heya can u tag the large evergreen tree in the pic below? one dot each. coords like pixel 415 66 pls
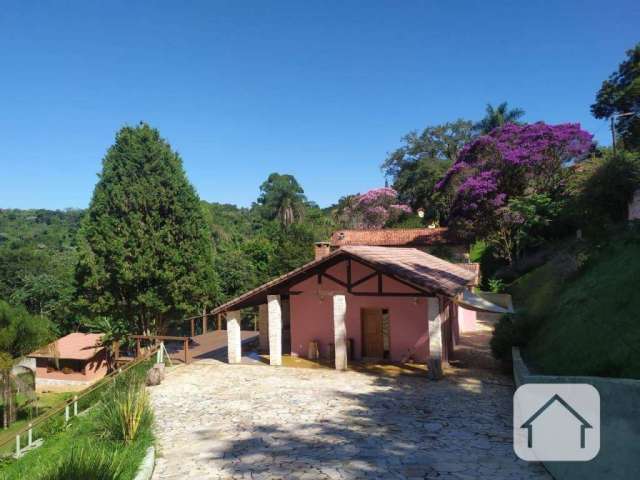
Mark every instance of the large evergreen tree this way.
pixel 145 251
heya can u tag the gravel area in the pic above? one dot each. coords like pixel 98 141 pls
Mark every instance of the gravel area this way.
pixel 219 421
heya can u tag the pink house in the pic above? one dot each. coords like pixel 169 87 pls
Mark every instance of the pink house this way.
pixel 357 302
pixel 75 359
pixel 436 241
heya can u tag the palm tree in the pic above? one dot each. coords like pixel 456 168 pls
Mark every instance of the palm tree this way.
pixel 282 198
pixel 14 380
pixel 496 117
pixel 112 331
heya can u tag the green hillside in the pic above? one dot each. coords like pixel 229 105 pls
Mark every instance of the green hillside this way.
pixel 585 315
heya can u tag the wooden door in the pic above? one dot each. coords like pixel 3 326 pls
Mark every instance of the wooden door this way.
pixel 372 337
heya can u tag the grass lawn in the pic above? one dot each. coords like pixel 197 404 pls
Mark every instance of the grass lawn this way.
pixel 45 402
pixel 101 442
pixel 590 324
pixel 82 433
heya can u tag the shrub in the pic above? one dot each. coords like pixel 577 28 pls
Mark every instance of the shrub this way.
pixel 21 332
pixel 502 339
pixel 602 189
pixel 496 285
pixel 83 463
pixel 126 412
pixel 513 330
pixel 50 427
pixel 481 252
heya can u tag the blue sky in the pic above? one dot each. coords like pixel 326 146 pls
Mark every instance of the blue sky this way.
pixel 319 89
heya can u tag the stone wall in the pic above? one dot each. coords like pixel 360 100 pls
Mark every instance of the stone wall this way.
pixel 619 455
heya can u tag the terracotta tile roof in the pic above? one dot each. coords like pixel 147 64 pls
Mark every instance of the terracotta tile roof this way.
pixel 473 268
pixel 393 237
pixel 426 272
pixel 75 346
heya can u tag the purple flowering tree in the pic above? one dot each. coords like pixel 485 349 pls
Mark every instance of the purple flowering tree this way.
pixel 510 162
pixel 375 208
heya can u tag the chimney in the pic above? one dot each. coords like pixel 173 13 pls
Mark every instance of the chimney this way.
pixel 322 249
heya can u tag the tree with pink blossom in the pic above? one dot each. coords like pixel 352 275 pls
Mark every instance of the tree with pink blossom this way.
pixel 511 162
pixel 373 209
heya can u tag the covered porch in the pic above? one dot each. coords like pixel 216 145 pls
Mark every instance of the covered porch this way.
pixel 357 304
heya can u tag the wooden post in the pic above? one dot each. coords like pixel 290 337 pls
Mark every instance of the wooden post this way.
pixel 30 435
pixel 18 446
pixel 75 405
pixel 219 322
pixel 138 350
pixel 193 327
pixel 116 350
pixel 204 320
pixel 186 350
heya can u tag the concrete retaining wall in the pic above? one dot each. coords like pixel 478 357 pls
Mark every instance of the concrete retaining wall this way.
pixel 619 456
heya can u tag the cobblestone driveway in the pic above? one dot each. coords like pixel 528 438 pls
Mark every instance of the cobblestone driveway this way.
pixel 251 421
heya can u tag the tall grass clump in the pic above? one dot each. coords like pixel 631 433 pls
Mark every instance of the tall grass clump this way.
pixel 126 412
pixel 83 464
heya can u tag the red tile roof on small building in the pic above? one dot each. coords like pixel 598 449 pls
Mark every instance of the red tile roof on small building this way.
pixel 393 237
pixel 75 346
pixel 427 273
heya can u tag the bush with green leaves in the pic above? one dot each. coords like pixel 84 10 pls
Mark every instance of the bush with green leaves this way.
pixel 496 285
pixel 521 224
pixel 85 463
pixel 126 412
pixel 601 190
pixel 21 332
pixel 512 330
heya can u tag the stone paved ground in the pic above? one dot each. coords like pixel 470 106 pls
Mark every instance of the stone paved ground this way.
pixel 253 421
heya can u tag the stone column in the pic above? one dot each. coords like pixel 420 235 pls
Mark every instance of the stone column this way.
pixel 263 327
pixel 340 331
pixel 234 338
pixel 275 329
pixel 434 362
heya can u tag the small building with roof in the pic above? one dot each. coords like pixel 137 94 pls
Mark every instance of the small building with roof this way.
pixel 357 302
pixel 75 359
pixel 438 241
